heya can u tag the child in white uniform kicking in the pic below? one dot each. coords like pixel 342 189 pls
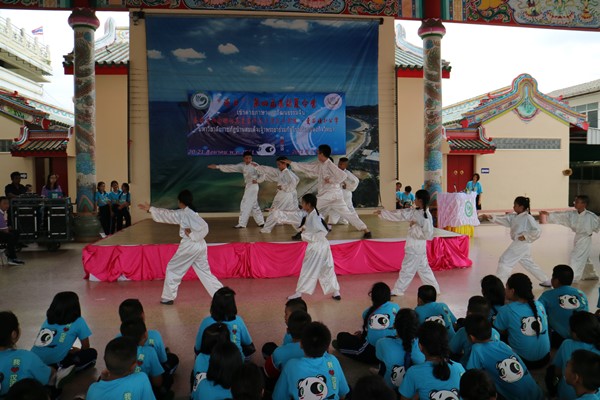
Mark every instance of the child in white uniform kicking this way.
pixel 348 186
pixel 318 260
pixel 192 248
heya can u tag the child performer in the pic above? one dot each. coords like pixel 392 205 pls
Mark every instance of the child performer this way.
pixel 286 198
pixel 329 191
pixel 192 248
pixel 348 186
pixel 523 231
pixel 252 177
pixel 318 260
pixel 420 231
pixel 584 223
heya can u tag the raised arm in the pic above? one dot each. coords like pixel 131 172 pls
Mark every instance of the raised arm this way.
pixel 400 215
pixel 269 173
pixel 166 216
pixel 503 220
pixel 229 168
pixel 560 218
pixel 309 169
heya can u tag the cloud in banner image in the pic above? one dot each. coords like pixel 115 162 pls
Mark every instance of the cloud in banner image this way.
pixel 209 69
pixel 292 24
pixel 189 55
pixel 253 69
pixel 155 54
pixel 228 49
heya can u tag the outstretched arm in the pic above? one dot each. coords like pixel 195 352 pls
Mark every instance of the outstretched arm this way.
pixel 228 167
pixel 309 169
pixel 400 215
pixel 162 214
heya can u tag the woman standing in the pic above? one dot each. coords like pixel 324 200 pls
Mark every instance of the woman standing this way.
pixel 474 186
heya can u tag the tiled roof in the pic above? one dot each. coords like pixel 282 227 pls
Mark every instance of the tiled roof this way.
pixel 470 146
pixel 112 49
pixel 454 113
pixel 38 143
pixel 409 56
pixel 577 90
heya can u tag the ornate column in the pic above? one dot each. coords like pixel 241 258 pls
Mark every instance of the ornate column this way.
pixel 84 24
pixel 431 31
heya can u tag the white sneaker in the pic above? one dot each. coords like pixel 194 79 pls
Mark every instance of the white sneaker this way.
pixel 62 374
pixel 238 226
pixel 295 296
pixel 265 231
pixel 102 235
pixel 15 261
pixel 397 293
pixel 546 283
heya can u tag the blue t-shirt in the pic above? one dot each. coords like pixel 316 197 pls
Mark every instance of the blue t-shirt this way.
pixel 124 198
pixel 461 344
pixel 131 387
pixel 589 396
pixel 494 310
pixel 474 187
pixel 517 318
pixel 54 341
pixel 560 304
pixel 155 340
pixel 287 338
pixel 511 377
pixel 101 199
pixel 562 357
pixel 285 353
pixel 208 390
pixel 438 312
pixel 312 378
pixel 407 198
pixel 17 364
pixel 390 352
pixel 419 380
pixel 200 369
pixel 381 322
pixel 114 196
pixel 147 362
pixel 239 333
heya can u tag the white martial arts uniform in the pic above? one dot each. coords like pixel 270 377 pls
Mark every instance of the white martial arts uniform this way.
pixel 318 260
pixel 415 250
pixel 519 251
pixel 249 204
pixel 348 186
pixel 330 198
pixel 191 251
pixel 584 225
pixel 286 198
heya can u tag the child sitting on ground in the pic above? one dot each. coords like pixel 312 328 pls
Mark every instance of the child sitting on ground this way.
pixel 430 310
pixel 290 306
pixel 583 374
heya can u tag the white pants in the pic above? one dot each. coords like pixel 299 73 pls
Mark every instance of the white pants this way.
pixel 334 204
pixel 188 254
pixel 518 252
pixel 317 266
pixel 580 257
pixel 334 218
pixel 415 262
pixel 283 201
pixel 249 205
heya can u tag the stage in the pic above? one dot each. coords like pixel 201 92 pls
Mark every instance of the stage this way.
pixel 142 251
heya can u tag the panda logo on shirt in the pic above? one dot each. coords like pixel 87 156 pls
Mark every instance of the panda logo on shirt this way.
pixel 199 377
pixel 398 372
pixel 379 321
pixel 510 370
pixel 569 302
pixel 436 318
pixel 444 395
pixel 44 338
pixel 313 388
pixel 530 326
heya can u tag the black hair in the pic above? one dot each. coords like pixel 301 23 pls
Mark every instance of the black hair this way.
pixel 343 159
pixel 130 308
pixel 100 184
pixel 563 274
pixel 296 304
pixel 316 338
pixel 49 185
pixel 8 324
pixel 126 185
pixel 586 364
pixel 476 175
pixel 586 326
pixel 186 198
pixel 433 337
pixel 524 202
pixel 27 389
pixel 281 158
pixel 399 183
pixel 325 149
pixel 493 290
pixel 408 189
pixel 246 153
pixel 476 384
pixel 223 307
pixel 64 308
pixel 297 321
pixel 372 387
pixel 113 182
pixel 523 288
pixel 424 196
pixel 2 198
pixel 120 354
pixel 248 383
pixel 212 336
pixel 427 294
pixel 478 305
pixel 478 326
pixel 223 361
pixel 134 328
pixel 14 174
pixel 584 198
pixel 407 326
pixel 310 198
pixel 380 294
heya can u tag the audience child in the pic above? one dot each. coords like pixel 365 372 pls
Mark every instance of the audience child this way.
pixel 318 260
pixel 123 203
pixel 62 327
pixel 119 381
pixel 16 364
pixel 102 202
pixel 476 384
pixel 561 302
pixel 113 196
pixel 224 361
pixel 493 290
pixel 525 321
pixel 377 323
pixel 372 387
pixel 429 310
pixel 512 379
pixel 248 383
pixel 407 199
pixel 585 333
pixel 52 189
pixel 460 344
pixel 290 306
pixel 523 231
pixel 583 374
pixel 223 309
pixel 438 377
pixel 415 256
pixel 398 192
pixel 212 336
pixel 27 389
pixel 397 354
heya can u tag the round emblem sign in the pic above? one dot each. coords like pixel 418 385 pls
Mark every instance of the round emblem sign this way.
pixel 468 209
pixel 200 101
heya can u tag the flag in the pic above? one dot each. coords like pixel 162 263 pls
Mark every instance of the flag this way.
pixel 38 31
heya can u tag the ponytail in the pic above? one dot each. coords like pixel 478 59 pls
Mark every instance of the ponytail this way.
pixel 380 294
pixel 407 326
pixel 523 288
pixel 433 337
pixel 424 196
pixel 524 202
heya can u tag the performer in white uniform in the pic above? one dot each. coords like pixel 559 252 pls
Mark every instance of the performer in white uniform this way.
pixel 524 230
pixel 584 223
pixel 415 250
pixel 348 186
pixel 329 190
pixel 286 198
pixel 252 177
pixel 192 248
pixel 318 260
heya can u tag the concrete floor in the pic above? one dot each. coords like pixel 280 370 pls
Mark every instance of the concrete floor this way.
pixel 28 291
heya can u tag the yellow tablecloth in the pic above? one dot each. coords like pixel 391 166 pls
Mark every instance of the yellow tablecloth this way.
pixel 468 230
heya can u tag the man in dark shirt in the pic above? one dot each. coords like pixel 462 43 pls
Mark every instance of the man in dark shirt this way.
pixel 15 189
